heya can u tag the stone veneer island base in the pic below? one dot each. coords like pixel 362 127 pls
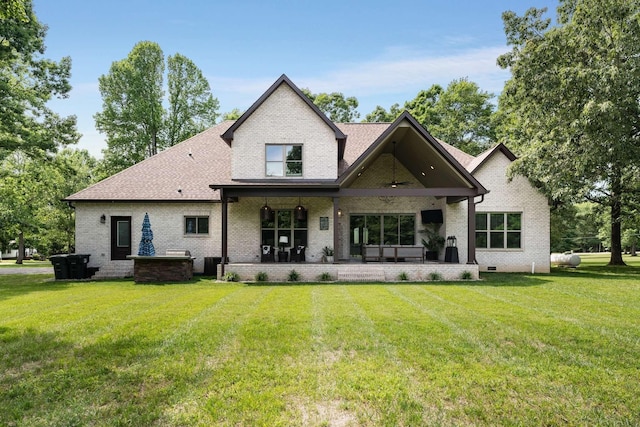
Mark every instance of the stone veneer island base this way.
pixel 150 269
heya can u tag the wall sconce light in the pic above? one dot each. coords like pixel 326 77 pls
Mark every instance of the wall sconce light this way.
pixel 339 212
pixel 103 219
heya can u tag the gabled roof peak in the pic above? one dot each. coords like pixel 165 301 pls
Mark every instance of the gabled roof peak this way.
pixel 283 79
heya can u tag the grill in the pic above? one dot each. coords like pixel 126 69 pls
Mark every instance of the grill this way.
pixel 177 252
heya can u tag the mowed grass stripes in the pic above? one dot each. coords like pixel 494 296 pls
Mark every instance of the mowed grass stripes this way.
pixel 510 350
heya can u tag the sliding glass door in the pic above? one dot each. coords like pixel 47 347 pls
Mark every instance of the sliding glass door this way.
pixel 380 229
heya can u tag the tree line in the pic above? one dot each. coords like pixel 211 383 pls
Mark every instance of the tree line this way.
pixel 569 111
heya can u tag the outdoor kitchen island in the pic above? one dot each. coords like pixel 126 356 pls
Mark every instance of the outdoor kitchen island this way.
pixel 175 266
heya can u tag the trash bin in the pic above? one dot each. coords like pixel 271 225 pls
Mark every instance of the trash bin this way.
pixel 78 266
pixel 60 266
pixel 211 265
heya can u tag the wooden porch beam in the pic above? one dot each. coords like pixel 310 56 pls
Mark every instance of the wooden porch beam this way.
pixel 350 192
pixel 336 234
pixel 225 228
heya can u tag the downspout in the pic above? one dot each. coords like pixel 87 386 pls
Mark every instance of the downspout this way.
pixel 471 229
pixel 73 208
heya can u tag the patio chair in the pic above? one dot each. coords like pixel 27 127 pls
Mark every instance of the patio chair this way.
pixel 297 254
pixel 268 253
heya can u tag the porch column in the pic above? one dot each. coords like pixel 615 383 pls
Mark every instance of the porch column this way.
pixel 336 231
pixel 225 217
pixel 471 230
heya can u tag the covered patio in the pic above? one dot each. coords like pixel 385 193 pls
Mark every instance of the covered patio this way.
pixel 377 199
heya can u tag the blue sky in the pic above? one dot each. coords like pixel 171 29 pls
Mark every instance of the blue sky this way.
pixel 380 52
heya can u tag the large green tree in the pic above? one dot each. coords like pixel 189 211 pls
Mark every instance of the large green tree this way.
pixel 31 193
pixel 335 105
pixel 381 115
pixel 571 109
pixel 192 107
pixel 133 117
pixel 27 82
pixel 460 115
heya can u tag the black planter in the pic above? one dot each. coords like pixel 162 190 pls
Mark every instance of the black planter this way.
pixel 431 255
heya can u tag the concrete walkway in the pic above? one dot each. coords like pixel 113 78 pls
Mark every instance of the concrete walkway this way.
pixel 26 270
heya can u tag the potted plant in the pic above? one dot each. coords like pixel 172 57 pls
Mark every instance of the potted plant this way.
pixel 327 254
pixel 434 242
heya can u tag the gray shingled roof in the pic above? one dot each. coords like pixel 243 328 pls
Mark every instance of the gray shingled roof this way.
pixel 189 166
pixel 205 159
pixel 359 137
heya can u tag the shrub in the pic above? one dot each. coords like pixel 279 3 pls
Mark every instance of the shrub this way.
pixel 435 276
pixel 262 276
pixel 403 276
pixel 293 276
pixel 466 275
pixel 325 277
pixel 230 276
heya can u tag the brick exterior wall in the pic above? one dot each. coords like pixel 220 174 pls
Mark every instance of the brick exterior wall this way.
pixel 515 196
pixel 167 224
pixel 284 118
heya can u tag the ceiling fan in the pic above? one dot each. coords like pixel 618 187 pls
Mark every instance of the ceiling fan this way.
pixel 394 182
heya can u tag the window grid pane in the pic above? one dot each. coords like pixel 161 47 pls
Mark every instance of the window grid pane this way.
pixel 274 153
pixel 481 239
pixel 203 225
pixel 496 240
pixel 497 221
pixel 481 221
pixel 190 225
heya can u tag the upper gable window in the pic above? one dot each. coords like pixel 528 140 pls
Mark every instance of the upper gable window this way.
pixel 284 160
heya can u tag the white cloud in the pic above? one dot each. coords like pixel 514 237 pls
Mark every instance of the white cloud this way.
pixel 396 76
pixel 415 71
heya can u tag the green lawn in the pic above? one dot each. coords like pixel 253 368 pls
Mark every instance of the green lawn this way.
pixel 510 350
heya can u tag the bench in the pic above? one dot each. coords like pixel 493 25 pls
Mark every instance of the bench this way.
pixel 395 252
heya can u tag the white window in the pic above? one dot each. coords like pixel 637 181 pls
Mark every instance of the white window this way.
pixel 283 160
pixel 196 225
pixel 499 230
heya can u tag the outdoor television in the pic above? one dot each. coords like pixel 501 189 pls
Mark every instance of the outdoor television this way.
pixel 433 216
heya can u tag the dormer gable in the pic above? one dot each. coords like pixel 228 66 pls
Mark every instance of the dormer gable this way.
pixel 479 161
pixel 228 135
pixel 284 136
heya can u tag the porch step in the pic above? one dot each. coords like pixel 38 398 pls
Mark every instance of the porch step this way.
pixel 114 271
pixel 370 275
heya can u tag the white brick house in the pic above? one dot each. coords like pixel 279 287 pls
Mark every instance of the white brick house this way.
pixel 284 170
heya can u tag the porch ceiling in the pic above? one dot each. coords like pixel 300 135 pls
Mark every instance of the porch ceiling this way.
pixel 427 165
